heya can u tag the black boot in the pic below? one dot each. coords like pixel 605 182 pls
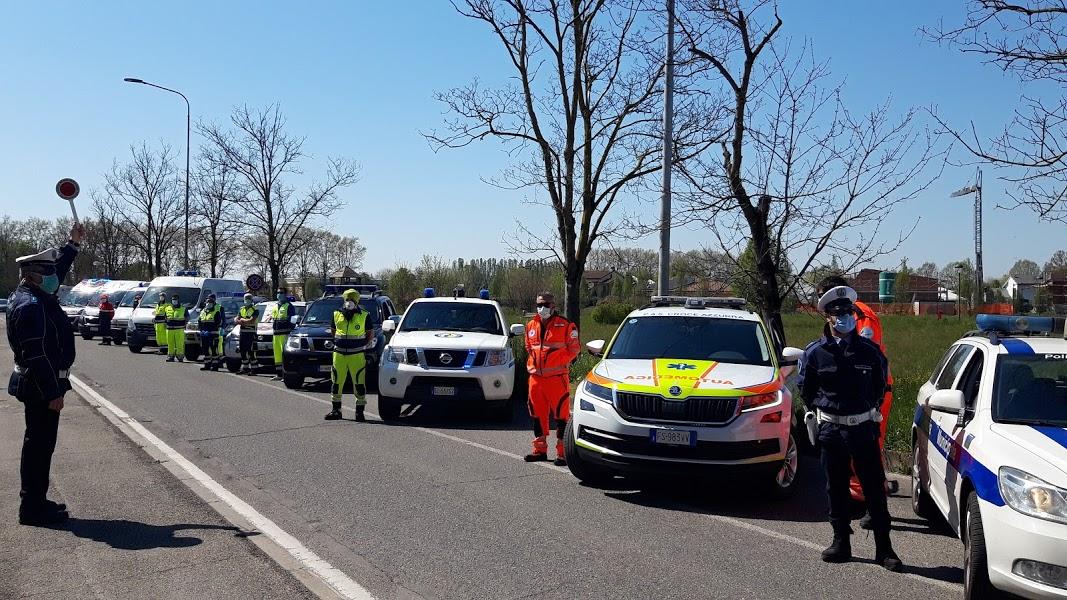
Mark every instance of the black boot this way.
pixel 840 550
pixel 334 414
pixel 359 413
pixel 883 552
pixel 866 522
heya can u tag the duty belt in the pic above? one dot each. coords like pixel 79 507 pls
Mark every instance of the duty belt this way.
pixel 65 374
pixel 850 420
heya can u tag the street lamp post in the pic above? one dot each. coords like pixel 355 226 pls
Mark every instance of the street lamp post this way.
pixel 188 129
pixel 959 292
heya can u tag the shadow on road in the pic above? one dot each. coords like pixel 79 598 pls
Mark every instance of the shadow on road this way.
pixel 133 535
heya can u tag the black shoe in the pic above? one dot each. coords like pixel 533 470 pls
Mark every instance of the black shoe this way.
pixel 359 414
pixel 170 359
pixel 560 461
pixel 205 368
pixel 277 378
pixel 56 506
pixel 534 457
pixel 333 415
pixel 866 522
pixel 884 555
pixel 839 551
pixel 42 517
pixel 181 359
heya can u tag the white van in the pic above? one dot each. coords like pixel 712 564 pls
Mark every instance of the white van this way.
pixel 87 322
pixel 80 295
pixel 123 311
pixel 191 291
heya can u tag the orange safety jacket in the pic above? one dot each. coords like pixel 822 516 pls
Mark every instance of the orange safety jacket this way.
pixel 551 346
pixel 870 326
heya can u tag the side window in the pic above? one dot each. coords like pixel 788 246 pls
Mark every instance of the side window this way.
pixel 972 378
pixel 952 368
pixel 941 363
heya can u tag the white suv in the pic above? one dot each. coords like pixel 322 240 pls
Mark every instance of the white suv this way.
pixel 448 350
pixel 686 383
pixel 989 446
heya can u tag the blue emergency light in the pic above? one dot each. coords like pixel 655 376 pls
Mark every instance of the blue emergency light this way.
pixel 483 294
pixel 428 293
pixel 1015 324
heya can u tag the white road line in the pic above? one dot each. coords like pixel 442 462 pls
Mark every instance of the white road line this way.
pixel 335 579
pixel 738 523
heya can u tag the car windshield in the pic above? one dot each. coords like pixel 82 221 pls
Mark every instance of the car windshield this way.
pixel 130 298
pixel 1031 389
pixel 114 297
pixel 266 311
pixel 692 338
pixel 229 306
pixel 188 296
pixel 320 312
pixel 452 316
pixel 79 298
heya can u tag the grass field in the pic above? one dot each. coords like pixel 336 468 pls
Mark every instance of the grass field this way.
pixel 913 345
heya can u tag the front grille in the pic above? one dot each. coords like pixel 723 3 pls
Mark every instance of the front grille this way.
pixel 143 329
pixel 117 324
pixel 690 410
pixel 412 356
pixel 630 444
pixel 320 344
pixel 421 388
pixel 265 338
pixel 437 358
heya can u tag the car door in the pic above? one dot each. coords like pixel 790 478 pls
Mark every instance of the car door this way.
pixel 953 436
pixel 937 455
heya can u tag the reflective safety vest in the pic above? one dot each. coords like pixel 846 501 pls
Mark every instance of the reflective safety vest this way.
pixel 161 313
pixel 551 345
pixel 211 320
pixel 349 335
pixel 247 312
pixel 175 317
pixel 280 316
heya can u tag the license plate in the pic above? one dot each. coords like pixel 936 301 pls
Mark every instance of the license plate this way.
pixel 326 369
pixel 673 437
pixel 443 391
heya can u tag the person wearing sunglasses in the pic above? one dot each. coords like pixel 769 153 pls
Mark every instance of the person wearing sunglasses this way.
pixel 42 339
pixel 551 346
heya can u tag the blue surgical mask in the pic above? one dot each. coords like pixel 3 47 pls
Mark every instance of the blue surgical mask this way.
pixel 845 323
pixel 281 297
pixel 210 305
pixel 49 284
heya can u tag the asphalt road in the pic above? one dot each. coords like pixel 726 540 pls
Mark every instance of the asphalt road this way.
pixel 442 506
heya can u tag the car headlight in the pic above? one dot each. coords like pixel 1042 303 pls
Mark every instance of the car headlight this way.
pixel 395 355
pixel 495 358
pixel 293 343
pixel 599 391
pixel 1032 496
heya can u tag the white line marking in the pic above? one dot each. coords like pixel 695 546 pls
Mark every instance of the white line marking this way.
pixel 740 524
pixel 340 583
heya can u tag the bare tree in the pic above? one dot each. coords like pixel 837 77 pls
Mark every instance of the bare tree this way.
pixel 217 189
pixel 584 115
pixel 797 174
pixel 1027 38
pixel 144 196
pixel 259 150
pixel 106 239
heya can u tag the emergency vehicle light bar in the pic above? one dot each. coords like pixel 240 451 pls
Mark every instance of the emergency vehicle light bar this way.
pixel 1019 324
pixel 699 302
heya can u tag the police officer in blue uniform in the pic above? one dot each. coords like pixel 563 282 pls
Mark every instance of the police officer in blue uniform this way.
pixel 843 381
pixel 42 339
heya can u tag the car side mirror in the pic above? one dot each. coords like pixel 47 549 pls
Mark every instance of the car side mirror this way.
pixel 950 401
pixel 389 326
pixel 294 319
pixel 518 330
pixel 595 347
pixel 789 360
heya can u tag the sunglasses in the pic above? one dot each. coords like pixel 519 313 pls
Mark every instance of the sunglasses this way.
pixel 544 305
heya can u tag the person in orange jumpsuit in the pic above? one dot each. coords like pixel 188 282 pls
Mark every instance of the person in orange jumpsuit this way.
pixel 552 345
pixel 869 326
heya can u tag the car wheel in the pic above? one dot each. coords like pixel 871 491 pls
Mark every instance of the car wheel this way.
pixel 134 348
pixel 976 583
pixel 389 408
pixel 117 341
pixel 501 411
pixel 587 473
pixel 87 337
pixel 371 379
pixel 784 481
pixel 191 355
pixel 921 504
pixel 293 382
pixel 232 365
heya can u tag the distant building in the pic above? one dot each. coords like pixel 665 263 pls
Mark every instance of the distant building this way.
pixel 708 288
pixel 599 284
pixel 919 288
pixel 1022 287
pixel 1057 287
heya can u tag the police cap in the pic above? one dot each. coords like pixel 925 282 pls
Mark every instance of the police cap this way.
pixel 838 300
pixel 42 261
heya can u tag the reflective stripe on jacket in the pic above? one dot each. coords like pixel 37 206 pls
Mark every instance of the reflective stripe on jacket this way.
pixel 211 320
pixel 160 314
pixel 349 335
pixel 552 346
pixel 175 317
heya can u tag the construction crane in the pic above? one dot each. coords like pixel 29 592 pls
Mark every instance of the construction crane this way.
pixel 976 189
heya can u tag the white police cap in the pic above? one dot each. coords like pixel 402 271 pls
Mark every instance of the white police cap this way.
pixel 841 294
pixel 45 257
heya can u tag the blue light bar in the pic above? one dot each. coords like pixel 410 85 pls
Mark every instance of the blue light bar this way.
pixel 483 294
pixel 1015 323
pixel 428 292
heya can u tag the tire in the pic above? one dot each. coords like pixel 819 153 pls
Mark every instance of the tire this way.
pixel 783 482
pixel 191 355
pixel 389 408
pixel 232 365
pixel 134 348
pixel 976 585
pixel 921 503
pixel 371 379
pixel 293 382
pixel 589 474
pixel 501 412
pixel 117 341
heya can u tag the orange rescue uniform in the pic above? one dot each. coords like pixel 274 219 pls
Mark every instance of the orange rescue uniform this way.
pixel 869 326
pixel 552 346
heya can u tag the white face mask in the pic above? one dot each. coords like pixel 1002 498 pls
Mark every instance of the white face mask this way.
pixel 544 312
pixel 350 305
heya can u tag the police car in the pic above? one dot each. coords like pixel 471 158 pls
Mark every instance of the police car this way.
pixel 447 350
pixel 686 383
pixel 990 454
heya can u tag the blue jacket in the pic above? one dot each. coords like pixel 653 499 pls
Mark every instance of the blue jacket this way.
pixel 41 337
pixel 842 379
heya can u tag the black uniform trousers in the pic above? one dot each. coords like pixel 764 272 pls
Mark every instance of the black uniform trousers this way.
pixel 42 427
pixel 842 448
pixel 105 327
pixel 210 339
pixel 247 348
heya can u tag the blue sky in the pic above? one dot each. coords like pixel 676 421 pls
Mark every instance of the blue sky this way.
pixel 357 79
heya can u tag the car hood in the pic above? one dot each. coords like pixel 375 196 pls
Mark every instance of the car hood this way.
pixel 313 331
pixel 73 310
pixel 124 312
pixel 449 340
pixel 1047 443
pixel 686 377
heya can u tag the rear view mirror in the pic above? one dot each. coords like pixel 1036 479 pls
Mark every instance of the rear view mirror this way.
pixel 950 401
pixel 389 326
pixel 294 319
pixel 595 347
pixel 790 358
pixel 518 330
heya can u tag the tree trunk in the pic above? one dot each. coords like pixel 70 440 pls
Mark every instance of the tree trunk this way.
pixel 572 298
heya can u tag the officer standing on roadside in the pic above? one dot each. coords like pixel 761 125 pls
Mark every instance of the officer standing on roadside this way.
pixel 42 339
pixel 211 320
pixel 247 318
pixel 177 316
pixel 282 327
pixel 843 380
pixel 552 345
pixel 353 333
pixel 159 319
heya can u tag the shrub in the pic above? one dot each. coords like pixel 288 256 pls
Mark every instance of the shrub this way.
pixel 612 313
